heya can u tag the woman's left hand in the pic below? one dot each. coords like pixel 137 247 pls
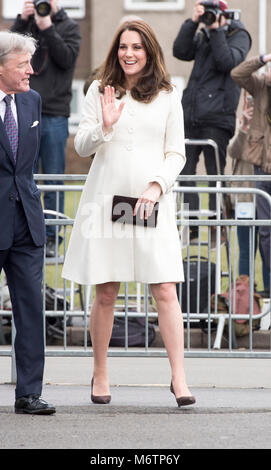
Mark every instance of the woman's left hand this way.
pixel 145 203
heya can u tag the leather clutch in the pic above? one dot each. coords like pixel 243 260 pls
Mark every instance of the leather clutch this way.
pixel 123 212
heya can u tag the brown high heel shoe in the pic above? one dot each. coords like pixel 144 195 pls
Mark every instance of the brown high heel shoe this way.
pixel 99 399
pixel 183 401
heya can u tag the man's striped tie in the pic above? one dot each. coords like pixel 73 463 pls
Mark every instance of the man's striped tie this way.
pixel 11 126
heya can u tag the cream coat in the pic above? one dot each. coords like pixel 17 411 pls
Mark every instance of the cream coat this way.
pixel 146 145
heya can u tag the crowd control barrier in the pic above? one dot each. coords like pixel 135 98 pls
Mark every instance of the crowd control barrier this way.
pixel 135 300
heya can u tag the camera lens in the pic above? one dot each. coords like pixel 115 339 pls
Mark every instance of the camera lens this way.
pixel 208 17
pixel 43 8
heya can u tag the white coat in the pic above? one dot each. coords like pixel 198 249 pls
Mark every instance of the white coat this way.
pixel 146 145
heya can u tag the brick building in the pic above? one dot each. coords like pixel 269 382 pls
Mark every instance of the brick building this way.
pixel 99 20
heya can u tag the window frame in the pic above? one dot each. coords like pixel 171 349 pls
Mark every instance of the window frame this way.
pixel 74 119
pixel 154 6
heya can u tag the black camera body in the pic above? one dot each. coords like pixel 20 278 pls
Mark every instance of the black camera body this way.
pixel 42 7
pixel 217 7
pixel 232 14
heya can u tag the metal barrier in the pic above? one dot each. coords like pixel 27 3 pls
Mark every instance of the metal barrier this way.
pixel 136 301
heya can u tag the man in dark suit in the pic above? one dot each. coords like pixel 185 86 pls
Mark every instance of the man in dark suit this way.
pixel 22 234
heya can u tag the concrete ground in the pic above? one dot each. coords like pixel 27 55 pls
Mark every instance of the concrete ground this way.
pixel 233 408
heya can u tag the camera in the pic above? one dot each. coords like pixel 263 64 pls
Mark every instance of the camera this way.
pixel 42 7
pixel 214 8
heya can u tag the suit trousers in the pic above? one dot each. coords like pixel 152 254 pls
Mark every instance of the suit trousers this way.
pixel 22 264
pixel 221 137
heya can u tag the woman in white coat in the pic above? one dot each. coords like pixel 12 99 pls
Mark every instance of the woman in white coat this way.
pixel 132 120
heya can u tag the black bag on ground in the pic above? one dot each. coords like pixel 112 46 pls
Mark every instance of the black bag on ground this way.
pixel 136 332
pixel 55 325
pixel 203 288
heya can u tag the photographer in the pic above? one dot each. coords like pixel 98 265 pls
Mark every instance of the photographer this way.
pixel 211 97
pixel 53 63
pixel 259 135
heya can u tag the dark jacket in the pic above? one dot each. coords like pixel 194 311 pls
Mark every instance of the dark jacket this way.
pixel 211 97
pixel 19 177
pixel 54 60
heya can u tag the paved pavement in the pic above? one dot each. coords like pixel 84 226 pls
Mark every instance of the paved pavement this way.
pixel 233 408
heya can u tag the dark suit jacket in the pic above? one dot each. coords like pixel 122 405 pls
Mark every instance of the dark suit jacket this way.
pixel 19 178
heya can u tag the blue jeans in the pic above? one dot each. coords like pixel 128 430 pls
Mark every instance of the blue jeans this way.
pixel 244 258
pixel 263 212
pixel 54 135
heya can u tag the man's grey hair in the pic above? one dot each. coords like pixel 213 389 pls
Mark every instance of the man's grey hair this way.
pixel 11 43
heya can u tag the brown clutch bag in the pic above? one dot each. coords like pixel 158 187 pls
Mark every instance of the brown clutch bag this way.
pixel 123 210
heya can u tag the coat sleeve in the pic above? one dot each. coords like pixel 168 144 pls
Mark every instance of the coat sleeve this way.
pixel 21 26
pixel 184 46
pixel 229 51
pixel 89 136
pixel 245 74
pixel 174 146
pixel 63 47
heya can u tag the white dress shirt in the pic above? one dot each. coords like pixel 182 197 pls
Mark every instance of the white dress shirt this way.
pixel 3 106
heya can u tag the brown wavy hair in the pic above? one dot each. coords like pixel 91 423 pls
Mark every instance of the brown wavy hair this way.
pixel 154 77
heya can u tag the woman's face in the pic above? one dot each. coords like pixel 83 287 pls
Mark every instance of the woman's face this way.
pixel 132 55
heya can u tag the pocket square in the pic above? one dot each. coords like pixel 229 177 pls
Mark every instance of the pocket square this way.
pixel 35 123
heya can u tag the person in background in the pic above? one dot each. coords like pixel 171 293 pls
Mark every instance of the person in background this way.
pixel 259 135
pixel 22 234
pixel 237 150
pixel 211 97
pixel 54 62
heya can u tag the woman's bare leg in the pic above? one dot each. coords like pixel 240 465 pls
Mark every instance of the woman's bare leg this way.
pixel 101 324
pixel 171 328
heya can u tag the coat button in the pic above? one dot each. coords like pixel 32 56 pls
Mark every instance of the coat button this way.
pixel 131 130
pixel 129 147
pixel 11 197
pixel 94 138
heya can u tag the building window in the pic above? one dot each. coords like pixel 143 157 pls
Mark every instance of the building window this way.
pixel 154 5
pixel 74 8
pixel 76 105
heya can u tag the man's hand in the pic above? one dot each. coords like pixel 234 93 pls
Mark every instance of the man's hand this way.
pixel 43 22
pixel 220 21
pixel 198 11
pixel 28 10
pixel 247 115
pixel 267 58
